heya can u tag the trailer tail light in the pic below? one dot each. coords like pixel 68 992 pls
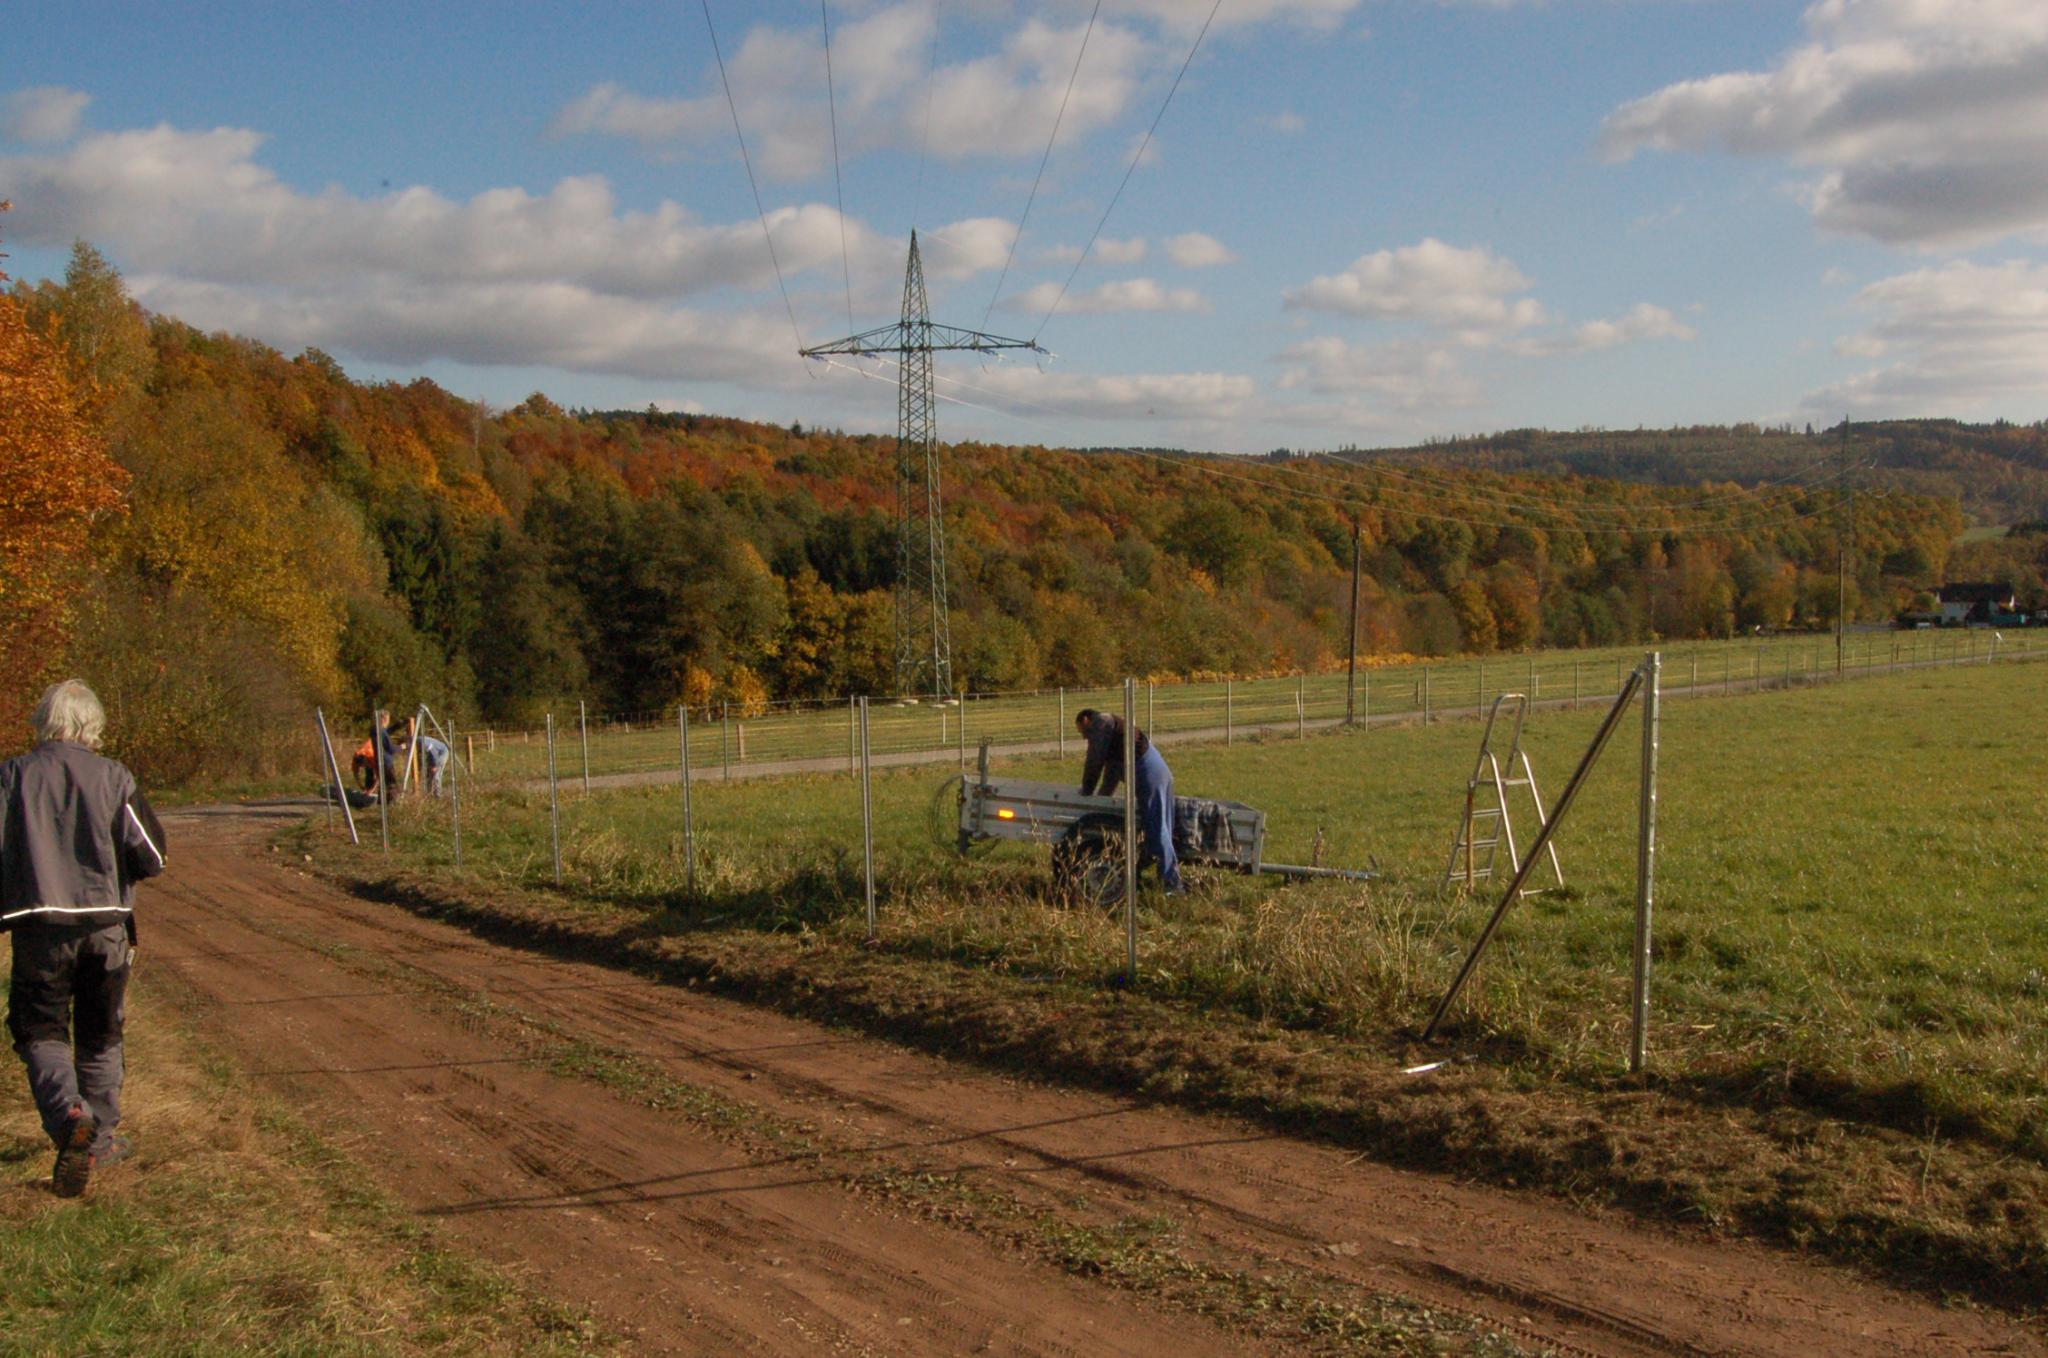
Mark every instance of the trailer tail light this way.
pixel 1006 813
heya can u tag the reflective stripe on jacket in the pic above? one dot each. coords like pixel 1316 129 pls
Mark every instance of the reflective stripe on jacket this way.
pixel 76 835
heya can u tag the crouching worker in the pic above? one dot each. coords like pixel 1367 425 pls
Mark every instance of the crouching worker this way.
pixel 75 837
pixel 433 761
pixel 1153 787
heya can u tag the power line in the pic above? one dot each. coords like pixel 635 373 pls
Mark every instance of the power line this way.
pixel 931 80
pixel 1129 170
pixel 1033 195
pixel 838 188
pixel 747 161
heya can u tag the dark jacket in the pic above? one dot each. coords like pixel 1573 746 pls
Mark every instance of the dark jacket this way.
pixel 76 836
pixel 1106 755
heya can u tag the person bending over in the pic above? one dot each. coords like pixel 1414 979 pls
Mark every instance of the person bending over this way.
pixel 1153 787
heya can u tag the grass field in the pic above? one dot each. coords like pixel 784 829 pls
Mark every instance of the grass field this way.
pixel 235 1230
pixel 1850 961
pixel 785 732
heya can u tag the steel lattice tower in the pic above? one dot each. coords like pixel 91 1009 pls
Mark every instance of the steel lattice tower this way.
pixel 924 641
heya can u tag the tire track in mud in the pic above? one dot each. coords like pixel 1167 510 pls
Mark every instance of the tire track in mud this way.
pixel 531 1166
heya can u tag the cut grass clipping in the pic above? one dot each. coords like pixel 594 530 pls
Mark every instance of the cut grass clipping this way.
pixel 1847 1038
pixel 235 1230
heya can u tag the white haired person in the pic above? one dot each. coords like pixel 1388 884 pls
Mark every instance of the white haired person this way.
pixel 75 837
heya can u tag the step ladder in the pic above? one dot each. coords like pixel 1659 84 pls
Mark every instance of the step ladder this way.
pixel 1488 825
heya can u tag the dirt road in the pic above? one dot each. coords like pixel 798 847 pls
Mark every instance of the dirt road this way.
pixel 712 1178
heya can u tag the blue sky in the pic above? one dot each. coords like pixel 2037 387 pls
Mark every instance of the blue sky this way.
pixel 1360 221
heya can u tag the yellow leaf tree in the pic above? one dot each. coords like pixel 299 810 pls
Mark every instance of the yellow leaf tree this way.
pixel 57 479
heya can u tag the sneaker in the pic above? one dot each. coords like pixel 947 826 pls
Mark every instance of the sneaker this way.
pixel 74 1154
pixel 117 1149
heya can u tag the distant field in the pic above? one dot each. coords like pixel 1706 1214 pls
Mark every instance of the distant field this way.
pixel 1847 885
pixel 651 743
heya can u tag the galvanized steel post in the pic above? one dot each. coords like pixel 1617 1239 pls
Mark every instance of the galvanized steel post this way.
pixel 383 780
pixel 1131 830
pixel 867 818
pixel 583 734
pixel 1646 865
pixel 455 794
pixel 689 818
pixel 554 802
pixel 334 767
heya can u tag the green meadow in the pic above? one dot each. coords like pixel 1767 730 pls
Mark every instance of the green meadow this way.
pixel 1850 887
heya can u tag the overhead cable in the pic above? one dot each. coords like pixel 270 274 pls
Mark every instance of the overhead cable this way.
pixel 1033 195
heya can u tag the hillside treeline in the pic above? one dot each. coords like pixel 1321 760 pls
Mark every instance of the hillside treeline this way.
pixel 223 535
pixel 1998 472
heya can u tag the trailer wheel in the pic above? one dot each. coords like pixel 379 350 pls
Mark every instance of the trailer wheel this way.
pixel 1088 863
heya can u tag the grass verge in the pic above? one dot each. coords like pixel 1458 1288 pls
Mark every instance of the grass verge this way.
pixel 237 1229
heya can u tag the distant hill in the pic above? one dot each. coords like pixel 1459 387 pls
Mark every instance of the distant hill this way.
pixel 1997 472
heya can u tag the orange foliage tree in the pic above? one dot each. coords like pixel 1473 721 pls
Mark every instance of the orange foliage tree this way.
pixel 58 479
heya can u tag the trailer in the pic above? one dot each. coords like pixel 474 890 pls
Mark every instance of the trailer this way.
pixel 1087 833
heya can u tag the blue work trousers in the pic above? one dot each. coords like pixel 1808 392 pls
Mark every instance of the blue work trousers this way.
pixel 1155 816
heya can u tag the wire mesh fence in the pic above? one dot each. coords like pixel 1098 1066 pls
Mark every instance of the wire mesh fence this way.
pixel 735 740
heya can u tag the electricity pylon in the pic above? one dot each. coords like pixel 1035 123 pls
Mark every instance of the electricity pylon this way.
pixel 924 641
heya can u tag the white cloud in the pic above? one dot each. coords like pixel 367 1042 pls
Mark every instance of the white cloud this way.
pixel 1126 294
pixel 201 204
pixel 1404 376
pixel 1002 103
pixel 1193 250
pixel 1968 340
pixel 1643 321
pixel 1432 282
pixel 1184 14
pixel 1135 396
pixel 42 114
pixel 208 233
pixel 1925 120
pixel 1105 251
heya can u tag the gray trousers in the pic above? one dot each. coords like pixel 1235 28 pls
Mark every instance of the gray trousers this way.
pixel 66 1006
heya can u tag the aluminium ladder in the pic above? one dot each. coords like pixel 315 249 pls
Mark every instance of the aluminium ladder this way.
pixel 1488 825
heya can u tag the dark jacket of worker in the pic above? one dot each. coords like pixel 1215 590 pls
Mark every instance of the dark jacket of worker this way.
pixel 1105 763
pixel 76 836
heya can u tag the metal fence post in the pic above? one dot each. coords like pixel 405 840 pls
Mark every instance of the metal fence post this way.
pixel 455 794
pixel 1300 710
pixel 867 818
pixel 689 817
pixel 583 729
pixel 1425 695
pixel 1131 831
pixel 1646 865
pixel 1532 679
pixel 383 780
pixel 334 768
pixel 554 802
